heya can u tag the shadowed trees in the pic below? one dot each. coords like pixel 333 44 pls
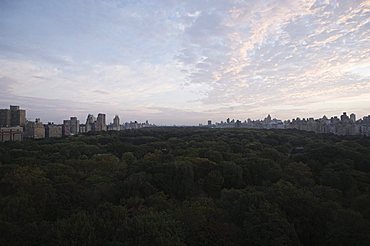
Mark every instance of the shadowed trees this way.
pixel 186 186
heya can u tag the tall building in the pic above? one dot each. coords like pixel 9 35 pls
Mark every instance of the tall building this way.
pixel 74 126
pixel 100 124
pixel 34 129
pixel 115 126
pixel 90 123
pixel 4 117
pixel 82 128
pixel 352 117
pixel 12 117
pixel 116 121
pixel 14 133
pixel 344 117
pixel 17 116
pixel 53 131
pixel 268 119
pixel 71 126
pixel 66 127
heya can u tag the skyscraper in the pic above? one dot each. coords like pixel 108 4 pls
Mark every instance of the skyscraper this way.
pixel 116 120
pixel 116 126
pixel 100 123
pixel 12 117
pixel 352 117
pixel 17 116
pixel 4 117
pixel 14 133
pixel 53 131
pixel 35 129
pixel 74 126
pixel 344 117
pixel 66 127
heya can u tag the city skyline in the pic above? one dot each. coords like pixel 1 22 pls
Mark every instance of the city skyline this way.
pixel 14 126
pixel 175 62
pixel 113 119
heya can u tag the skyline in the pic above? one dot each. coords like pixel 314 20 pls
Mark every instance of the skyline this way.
pixel 224 120
pixel 175 62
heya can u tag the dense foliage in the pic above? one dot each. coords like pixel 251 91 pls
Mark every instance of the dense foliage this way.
pixel 186 186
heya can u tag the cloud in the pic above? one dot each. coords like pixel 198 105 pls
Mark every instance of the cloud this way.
pixel 280 50
pixel 193 59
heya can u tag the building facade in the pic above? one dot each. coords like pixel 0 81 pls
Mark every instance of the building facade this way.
pixel 11 133
pixel 4 118
pixel 115 126
pixel 100 124
pixel 34 129
pixel 74 126
pixel 14 116
pixel 53 131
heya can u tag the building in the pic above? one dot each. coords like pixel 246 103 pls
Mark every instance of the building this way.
pixel 14 133
pixel 71 126
pixel 82 128
pixel 116 125
pixel 100 124
pixel 344 117
pixel 34 129
pixel 66 128
pixel 53 131
pixel 17 116
pixel 4 118
pixel 74 126
pixel 12 117
pixel 268 119
pixel 352 117
pixel 90 123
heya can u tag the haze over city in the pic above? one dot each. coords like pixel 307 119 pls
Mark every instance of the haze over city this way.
pixel 184 62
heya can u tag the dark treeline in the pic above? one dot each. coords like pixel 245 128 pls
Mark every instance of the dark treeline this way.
pixel 186 186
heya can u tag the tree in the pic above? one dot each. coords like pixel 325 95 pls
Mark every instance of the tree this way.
pixel 213 183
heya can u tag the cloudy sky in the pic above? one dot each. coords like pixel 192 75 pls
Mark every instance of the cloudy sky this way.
pixel 184 62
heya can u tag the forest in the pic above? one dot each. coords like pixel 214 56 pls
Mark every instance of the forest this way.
pixel 186 186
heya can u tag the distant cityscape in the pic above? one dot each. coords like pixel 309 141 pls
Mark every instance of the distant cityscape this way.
pixel 14 126
pixel 343 125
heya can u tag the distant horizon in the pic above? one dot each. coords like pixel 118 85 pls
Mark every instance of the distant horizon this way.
pixel 109 117
pixel 183 62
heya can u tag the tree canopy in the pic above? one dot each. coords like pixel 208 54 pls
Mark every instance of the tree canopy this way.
pixel 186 186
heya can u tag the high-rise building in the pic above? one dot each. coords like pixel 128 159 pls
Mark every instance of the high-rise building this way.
pixel 17 116
pixel 4 117
pixel 90 123
pixel 115 126
pixel 82 128
pixel 74 126
pixel 352 117
pixel 100 123
pixel 268 119
pixel 12 117
pixel 116 121
pixel 34 129
pixel 14 133
pixel 53 131
pixel 66 127
pixel 71 126
pixel 344 117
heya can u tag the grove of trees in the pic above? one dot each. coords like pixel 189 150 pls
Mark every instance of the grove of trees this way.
pixel 186 186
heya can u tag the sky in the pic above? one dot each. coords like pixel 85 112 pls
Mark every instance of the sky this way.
pixel 184 62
